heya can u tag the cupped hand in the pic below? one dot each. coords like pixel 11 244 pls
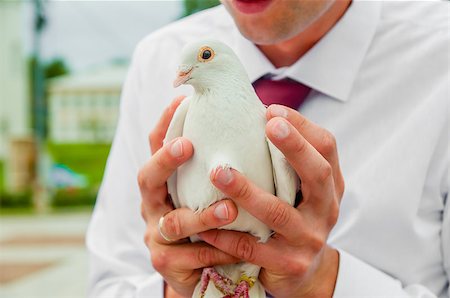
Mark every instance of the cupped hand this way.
pixel 296 261
pixel 176 259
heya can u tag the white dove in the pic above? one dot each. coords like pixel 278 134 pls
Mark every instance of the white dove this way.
pixel 225 121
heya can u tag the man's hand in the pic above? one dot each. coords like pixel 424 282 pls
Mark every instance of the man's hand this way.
pixel 178 261
pixel 296 261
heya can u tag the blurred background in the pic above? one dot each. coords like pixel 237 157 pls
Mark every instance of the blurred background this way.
pixel 62 65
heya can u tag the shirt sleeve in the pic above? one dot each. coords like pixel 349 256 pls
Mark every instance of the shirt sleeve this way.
pixel 357 279
pixel 119 261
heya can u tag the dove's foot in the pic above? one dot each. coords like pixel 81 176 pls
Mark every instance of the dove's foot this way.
pixel 241 290
pixel 243 287
pixel 223 284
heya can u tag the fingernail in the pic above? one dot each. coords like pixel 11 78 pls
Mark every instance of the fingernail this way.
pixel 280 129
pixel 221 211
pixel 177 148
pixel 224 176
pixel 278 111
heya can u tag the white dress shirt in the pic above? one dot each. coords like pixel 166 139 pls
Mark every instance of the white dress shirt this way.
pixel 380 80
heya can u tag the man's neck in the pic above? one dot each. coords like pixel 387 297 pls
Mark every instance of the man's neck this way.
pixel 288 52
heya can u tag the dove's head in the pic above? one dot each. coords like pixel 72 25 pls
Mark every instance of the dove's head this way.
pixel 207 62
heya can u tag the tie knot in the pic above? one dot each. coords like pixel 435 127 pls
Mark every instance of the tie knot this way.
pixel 286 92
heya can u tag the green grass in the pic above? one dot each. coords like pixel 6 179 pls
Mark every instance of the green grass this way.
pixel 30 211
pixel 15 211
pixel 85 159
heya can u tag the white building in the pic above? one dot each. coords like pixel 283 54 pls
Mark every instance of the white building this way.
pixel 16 144
pixel 14 103
pixel 83 107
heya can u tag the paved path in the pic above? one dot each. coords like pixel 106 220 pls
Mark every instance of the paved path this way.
pixel 43 256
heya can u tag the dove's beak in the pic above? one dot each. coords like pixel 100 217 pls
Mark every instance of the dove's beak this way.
pixel 182 77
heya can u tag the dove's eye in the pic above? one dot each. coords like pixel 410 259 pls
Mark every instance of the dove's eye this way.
pixel 205 54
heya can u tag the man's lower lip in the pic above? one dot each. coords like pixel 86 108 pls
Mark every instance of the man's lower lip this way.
pixel 251 6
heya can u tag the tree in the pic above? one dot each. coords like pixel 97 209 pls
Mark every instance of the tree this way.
pixel 193 6
pixel 56 67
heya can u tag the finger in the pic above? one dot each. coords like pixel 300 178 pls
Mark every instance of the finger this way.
pixel 156 137
pixel 245 247
pixel 176 261
pixel 318 137
pixel 189 256
pixel 313 169
pixel 155 205
pixel 153 176
pixel 321 139
pixel 277 214
pixel 183 222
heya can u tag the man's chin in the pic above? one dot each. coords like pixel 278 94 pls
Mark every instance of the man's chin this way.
pixel 265 36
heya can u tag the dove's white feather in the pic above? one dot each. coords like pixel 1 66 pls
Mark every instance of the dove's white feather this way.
pixel 225 130
pixel 225 121
pixel 176 130
pixel 284 176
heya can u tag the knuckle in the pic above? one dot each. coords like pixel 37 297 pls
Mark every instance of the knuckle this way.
pixel 325 172
pixel 300 146
pixel 172 226
pixel 160 161
pixel 316 243
pixel 297 267
pixel 205 256
pixel 165 161
pixel 279 215
pixel 328 144
pixel 333 214
pixel 152 138
pixel 216 238
pixel 245 249
pixel 142 178
pixel 143 212
pixel 147 237
pixel 244 192
pixel 159 261
pixel 301 122
pixel 204 220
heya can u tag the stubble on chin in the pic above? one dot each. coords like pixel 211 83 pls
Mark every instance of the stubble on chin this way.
pixel 280 24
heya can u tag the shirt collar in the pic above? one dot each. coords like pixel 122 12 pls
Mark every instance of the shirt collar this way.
pixel 254 61
pixel 331 66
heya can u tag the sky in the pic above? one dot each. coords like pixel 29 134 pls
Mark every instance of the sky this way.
pixel 91 33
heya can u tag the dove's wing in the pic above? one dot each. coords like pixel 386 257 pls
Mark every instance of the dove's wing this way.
pixel 284 176
pixel 175 130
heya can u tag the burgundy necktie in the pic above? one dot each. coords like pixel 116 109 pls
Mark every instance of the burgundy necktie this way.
pixel 286 91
